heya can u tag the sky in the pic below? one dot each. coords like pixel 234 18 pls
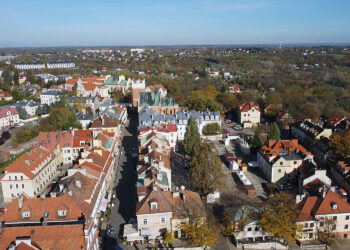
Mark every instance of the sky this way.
pixel 27 23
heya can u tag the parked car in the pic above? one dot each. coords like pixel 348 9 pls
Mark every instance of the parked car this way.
pixel 21 124
pixel 254 164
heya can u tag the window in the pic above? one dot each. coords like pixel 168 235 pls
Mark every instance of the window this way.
pixel 62 212
pixel 279 170
pixel 9 178
pixel 16 186
pixel 346 226
pixel 16 177
pixel 25 214
pixel 162 219
pixel 22 185
pixel 21 177
pixel 311 224
pixel 347 217
pixel 311 235
pixel 345 236
pixel 334 217
pixel 249 229
pixel 334 227
pixel 144 221
pixel 306 225
pixel 295 162
pixel 281 163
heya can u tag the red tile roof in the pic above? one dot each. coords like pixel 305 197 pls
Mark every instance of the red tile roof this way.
pixel 51 139
pixel 276 147
pixel 84 135
pixel 46 237
pixel 38 207
pixel 12 110
pixel 4 94
pixel 245 107
pixel 27 162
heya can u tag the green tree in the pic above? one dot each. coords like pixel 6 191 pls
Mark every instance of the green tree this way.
pixel 340 143
pixel 191 135
pixel 22 113
pixel 279 217
pixel 274 132
pixel 255 143
pixel 206 170
pixel 201 233
pixel 211 128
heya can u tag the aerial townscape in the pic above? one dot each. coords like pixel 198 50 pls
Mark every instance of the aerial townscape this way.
pixel 181 130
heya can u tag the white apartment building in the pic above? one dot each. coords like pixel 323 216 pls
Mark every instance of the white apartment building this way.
pixel 8 117
pixel 249 114
pixel 50 97
pixel 31 173
pixel 60 65
pixel 33 65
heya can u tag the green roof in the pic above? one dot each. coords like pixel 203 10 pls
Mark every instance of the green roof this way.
pixel 111 81
pixel 154 99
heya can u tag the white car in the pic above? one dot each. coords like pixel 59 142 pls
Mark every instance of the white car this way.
pixel 254 164
pixel 21 124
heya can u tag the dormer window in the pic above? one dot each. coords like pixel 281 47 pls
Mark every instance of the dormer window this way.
pixel 62 212
pixel 25 214
pixel 154 205
pixel 334 205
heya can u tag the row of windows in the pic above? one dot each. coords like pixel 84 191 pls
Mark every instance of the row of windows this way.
pixel 16 177
pixel 162 220
pixel 17 186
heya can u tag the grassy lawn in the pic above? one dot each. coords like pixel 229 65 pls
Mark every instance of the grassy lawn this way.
pixel 12 159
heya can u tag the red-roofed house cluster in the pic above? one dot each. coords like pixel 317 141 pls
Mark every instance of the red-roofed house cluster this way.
pixel 75 203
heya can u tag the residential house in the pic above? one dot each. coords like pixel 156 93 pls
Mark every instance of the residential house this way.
pixel 107 123
pixel 311 178
pixel 167 132
pixel 314 210
pixel 43 237
pixel 29 106
pixel 5 95
pixel 280 159
pixel 31 173
pixel 234 89
pixel 284 119
pixel 249 114
pixel 340 172
pixel 9 117
pixel 50 97
pixel 308 133
pixel 84 118
pixel 334 121
pixel 64 139
pixel 159 212
pixel 148 117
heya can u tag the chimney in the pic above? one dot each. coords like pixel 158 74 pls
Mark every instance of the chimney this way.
pixel 176 193
pixel 20 202
pixel 183 196
pixel 78 183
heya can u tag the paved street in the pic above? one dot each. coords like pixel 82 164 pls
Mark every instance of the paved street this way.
pixel 125 203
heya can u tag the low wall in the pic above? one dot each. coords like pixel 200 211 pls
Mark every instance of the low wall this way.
pixel 212 137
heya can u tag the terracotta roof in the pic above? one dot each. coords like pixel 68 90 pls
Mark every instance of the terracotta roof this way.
pixel 167 127
pixel 46 237
pixel 38 207
pixel 12 110
pixel 72 81
pixel 91 168
pixel 27 162
pixel 4 94
pixel 333 198
pixel 90 86
pixel 84 135
pixel 164 206
pixel 276 147
pixel 104 122
pixel 51 139
pixel 245 107
pixel 306 207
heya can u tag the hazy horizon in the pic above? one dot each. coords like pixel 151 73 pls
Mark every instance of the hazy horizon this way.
pixel 37 23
